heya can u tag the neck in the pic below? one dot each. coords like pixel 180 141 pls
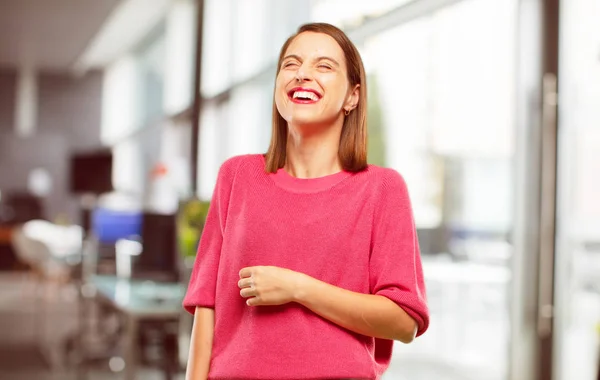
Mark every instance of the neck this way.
pixel 313 155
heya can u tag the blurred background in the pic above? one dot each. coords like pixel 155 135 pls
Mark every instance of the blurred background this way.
pixel 115 116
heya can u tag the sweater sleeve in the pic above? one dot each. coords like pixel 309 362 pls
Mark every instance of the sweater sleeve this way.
pixel 395 269
pixel 203 281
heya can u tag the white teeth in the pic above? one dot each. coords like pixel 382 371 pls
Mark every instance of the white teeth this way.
pixel 306 95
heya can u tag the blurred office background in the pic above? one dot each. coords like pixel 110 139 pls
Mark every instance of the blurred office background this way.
pixel 115 116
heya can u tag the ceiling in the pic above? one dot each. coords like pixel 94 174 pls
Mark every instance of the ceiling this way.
pixel 49 34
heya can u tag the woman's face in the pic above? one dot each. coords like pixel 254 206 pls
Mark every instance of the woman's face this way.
pixel 312 87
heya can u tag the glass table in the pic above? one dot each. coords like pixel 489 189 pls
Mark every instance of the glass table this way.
pixel 136 300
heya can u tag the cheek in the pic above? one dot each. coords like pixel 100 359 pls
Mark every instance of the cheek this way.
pixel 281 82
pixel 336 90
pixel 281 99
pixel 280 93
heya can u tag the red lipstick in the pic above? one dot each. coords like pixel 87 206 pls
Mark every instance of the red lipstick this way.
pixel 304 100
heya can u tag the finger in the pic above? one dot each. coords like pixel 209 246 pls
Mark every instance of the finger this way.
pixel 248 292
pixel 245 283
pixel 246 272
pixel 254 301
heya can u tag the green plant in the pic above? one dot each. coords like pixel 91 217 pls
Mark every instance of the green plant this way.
pixel 376 135
pixel 190 223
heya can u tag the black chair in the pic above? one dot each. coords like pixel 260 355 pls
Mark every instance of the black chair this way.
pixel 21 207
pixel 16 208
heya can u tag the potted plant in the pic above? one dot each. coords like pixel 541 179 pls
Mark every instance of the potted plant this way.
pixel 190 223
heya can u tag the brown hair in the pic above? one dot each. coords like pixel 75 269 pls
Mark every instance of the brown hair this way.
pixel 353 140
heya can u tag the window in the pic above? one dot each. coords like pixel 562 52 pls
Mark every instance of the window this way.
pixel 351 12
pixel 440 112
pixel 238 75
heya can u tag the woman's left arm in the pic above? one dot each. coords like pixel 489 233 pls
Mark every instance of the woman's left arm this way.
pixel 366 314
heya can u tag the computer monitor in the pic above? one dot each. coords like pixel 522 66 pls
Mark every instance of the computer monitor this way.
pixel 91 172
pixel 159 258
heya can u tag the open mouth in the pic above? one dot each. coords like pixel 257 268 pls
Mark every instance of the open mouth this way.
pixel 304 95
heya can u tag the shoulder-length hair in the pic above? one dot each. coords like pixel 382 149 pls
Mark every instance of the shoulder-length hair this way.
pixel 353 140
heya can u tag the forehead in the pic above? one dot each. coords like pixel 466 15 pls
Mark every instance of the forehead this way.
pixel 311 44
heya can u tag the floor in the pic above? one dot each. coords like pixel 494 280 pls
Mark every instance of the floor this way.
pixel 448 351
pixel 20 359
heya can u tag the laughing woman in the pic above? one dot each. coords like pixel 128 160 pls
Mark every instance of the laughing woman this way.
pixel 309 265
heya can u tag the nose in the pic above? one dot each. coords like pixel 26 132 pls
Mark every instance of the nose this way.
pixel 303 74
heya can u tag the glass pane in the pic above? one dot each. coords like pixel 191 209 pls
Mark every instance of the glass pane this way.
pixel 242 39
pixel 349 12
pixel 577 283
pixel 216 70
pixel 151 60
pixel 213 117
pixel 240 124
pixel 121 106
pixel 249 130
pixel 250 37
pixel 441 113
pixel 180 56
pixel 128 167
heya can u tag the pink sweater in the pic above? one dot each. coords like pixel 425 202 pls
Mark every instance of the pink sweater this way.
pixel 355 231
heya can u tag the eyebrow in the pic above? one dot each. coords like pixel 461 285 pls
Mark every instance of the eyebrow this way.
pixel 296 57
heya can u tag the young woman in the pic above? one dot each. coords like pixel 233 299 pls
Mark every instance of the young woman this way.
pixel 308 266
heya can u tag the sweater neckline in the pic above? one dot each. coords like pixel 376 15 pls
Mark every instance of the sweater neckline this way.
pixel 307 185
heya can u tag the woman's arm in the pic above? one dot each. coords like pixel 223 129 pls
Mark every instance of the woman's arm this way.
pixel 200 295
pixel 366 314
pixel 201 344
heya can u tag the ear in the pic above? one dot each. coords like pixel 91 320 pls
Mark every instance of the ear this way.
pixel 352 99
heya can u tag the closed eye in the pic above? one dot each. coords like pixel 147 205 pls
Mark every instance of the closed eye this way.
pixel 323 66
pixel 289 64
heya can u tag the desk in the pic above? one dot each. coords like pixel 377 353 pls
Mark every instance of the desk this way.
pixel 137 300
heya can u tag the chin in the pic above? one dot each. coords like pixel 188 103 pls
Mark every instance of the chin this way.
pixel 310 119
pixel 306 120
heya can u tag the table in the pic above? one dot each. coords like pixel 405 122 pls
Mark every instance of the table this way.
pixel 137 300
